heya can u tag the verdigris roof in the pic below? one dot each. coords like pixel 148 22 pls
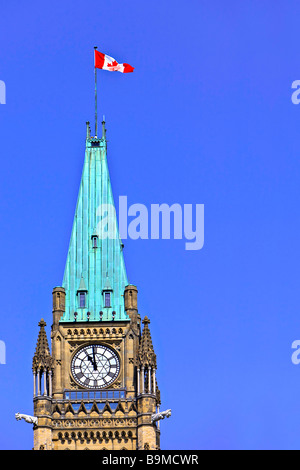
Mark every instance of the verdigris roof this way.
pixel 93 267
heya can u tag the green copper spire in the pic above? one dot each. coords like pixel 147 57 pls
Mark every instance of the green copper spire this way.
pixel 95 275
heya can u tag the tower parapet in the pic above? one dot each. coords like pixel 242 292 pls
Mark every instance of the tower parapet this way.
pixel 131 305
pixel 58 296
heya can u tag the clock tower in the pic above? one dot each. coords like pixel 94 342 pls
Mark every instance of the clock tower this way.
pixel 96 388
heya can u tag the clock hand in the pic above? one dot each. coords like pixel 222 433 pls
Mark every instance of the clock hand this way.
pixel 94 363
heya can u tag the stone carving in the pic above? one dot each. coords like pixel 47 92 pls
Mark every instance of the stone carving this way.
pixel 27 418
pixel 160 415
pixel 94 423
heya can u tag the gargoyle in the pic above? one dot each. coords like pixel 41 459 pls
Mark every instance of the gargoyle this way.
pixel 27 418
pixel 160 415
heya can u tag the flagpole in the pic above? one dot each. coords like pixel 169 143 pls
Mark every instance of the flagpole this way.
pixel 96 112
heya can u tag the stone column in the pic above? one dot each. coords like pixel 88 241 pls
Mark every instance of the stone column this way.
pixel 138 381
pixel 45 383
pixel 149 380
pixel 34 384
pixel 143 380
pixel 50 383
pixel 39 382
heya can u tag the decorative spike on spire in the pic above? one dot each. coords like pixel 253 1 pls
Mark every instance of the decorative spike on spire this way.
pixel 103 129
pixel 88 130
pixel 42 357
pixel 146 321
pixel 146 355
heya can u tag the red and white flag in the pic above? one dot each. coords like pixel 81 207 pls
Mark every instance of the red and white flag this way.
pixel 105 62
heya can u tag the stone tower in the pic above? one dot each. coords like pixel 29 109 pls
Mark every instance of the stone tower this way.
pixel 97 388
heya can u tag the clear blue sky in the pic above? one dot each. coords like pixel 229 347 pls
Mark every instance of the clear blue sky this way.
pixel 206 118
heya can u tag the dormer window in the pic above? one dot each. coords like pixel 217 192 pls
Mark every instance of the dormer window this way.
pixel 95 241
pixel 82 294
pixel 82 299
pixel 107 299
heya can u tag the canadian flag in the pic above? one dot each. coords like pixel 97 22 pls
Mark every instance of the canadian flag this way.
pixel 105 62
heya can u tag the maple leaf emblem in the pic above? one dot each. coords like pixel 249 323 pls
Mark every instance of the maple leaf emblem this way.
pixel 113 64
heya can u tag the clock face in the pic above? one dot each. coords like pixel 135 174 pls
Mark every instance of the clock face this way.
pixel 95 366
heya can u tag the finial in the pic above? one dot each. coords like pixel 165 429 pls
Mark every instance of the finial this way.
pixel 42 323
pixel 103 128
pixel 146 321
pixel 88 130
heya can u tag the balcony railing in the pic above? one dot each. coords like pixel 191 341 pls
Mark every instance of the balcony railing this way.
pixel 94 395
